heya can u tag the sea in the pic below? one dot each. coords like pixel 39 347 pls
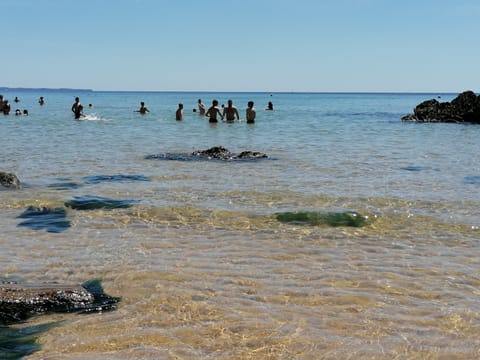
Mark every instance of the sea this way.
pixel 196 250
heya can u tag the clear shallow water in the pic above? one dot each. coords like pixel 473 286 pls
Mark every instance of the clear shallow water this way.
pixel 202 265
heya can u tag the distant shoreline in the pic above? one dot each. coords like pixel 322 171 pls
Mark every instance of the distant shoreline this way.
pixel 5 88
pixel 27 89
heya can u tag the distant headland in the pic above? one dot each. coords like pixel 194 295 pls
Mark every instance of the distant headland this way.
pixel 10 89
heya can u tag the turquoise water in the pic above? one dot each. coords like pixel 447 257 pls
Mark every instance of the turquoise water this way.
pixel 203 267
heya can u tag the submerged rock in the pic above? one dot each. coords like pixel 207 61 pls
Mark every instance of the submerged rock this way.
pixel 52 220
pixel 464 108
pixel 19 302
pixel 89 202
pixel 9 180
pixel 214 153
pixel 96 179
pixel 18 342
pixel 323 218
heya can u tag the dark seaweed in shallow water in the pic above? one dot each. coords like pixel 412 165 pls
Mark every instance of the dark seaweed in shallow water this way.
pixel 90 202
pixel 52 220
pixel 65 186
pixel 323 218
pixel 96 179
pixel 214 153
pixel 16 343
pixel 416 168
pixel 472 180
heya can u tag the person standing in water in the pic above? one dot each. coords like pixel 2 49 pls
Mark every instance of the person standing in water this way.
pixel 77 108
pixel 179 113
pixel 201 107
pixel 230 112
pixel 213 111
pixel 250 113
pixel 143 109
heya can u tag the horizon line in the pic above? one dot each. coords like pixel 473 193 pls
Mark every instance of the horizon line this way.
pixel 234 91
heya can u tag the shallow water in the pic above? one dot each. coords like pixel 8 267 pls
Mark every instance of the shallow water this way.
pixel 204 268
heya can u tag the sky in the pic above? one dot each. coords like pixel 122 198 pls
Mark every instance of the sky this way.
pixel 242 45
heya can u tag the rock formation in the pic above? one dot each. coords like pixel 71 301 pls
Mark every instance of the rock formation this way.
pixel 464 108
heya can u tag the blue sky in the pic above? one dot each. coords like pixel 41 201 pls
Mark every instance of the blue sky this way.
pixel 242 45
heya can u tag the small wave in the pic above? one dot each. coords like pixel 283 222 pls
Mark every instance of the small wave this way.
pixel 92 117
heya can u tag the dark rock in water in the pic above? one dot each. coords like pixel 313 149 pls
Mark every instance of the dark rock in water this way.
pixel 19 302
pixel 9 180
pixel 18 342
pixel 251 155
pixel 323 218
pixel 96 179
pixel 464 108
pixel 214 153
pixel 52 220
pixel 88 202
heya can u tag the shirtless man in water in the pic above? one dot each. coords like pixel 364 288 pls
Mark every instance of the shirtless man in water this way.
pixel 201 107
pixel 213 111
pixel 230 112
pixel 143 109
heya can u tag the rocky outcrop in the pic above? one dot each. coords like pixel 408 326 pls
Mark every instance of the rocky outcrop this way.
pixel 9 180
pixel 221 153
pixel 214 153
pixel 464 108
pixel 19 302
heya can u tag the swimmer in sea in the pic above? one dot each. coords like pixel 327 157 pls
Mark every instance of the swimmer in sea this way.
pixel 213 111
pixel 201 107
pixel 230 112
pixel 179 112
pixel 143 109
pixel 250 113
pixel 77 108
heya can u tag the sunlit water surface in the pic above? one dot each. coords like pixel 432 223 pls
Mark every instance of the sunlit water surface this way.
pixel 205 270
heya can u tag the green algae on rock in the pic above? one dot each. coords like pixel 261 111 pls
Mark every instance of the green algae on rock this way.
pixel 347 218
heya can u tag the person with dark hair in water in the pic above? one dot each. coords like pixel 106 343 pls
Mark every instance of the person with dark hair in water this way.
pixel 179 112
pixel 143 109
pixel 77 108
pixel 250 113
pixel 231 112
pixel 213 111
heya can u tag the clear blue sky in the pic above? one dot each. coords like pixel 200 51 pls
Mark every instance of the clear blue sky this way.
pixel 241 45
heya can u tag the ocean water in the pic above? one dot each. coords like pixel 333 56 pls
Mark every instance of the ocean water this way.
pixel 204 268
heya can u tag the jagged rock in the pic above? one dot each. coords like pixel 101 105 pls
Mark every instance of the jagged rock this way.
pixel 214 153
pixel 9 180
pixel 221 153
pixel 464 108
pixel 19 302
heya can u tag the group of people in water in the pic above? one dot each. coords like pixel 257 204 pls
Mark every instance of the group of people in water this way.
pixel 227 113
pixel 5 107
